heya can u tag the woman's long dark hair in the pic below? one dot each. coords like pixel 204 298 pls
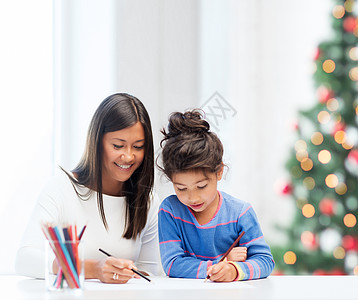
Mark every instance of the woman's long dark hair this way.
pixel 117 112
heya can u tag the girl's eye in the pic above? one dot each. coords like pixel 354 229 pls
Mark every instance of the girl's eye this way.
pixel 202 187
pixel 181 189
pixel 117 146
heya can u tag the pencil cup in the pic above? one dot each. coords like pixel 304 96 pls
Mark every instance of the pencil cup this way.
pixel 69 257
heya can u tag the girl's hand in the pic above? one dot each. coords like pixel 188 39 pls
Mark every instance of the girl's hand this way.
pixel 115 270
pixel 223 271
pixel 237 254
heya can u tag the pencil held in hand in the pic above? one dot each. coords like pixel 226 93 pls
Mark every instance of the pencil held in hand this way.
pixel 228 251
pixel 135 271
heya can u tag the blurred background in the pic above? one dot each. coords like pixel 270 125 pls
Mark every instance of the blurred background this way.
pixel 248 63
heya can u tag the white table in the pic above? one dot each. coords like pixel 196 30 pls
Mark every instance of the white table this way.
pixel 274 287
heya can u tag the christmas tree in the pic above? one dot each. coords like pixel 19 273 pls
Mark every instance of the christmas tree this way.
pixel 323 165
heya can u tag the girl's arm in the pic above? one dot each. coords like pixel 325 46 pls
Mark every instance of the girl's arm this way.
pixel 259 262
pixel 175 261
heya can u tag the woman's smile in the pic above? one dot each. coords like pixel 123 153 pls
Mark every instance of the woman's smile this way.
pixel 123 167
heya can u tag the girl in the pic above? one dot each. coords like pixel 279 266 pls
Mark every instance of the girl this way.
pixel 110 191
pixel 199 223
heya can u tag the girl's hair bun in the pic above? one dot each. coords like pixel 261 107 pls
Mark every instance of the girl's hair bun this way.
pixel 189 122
pixel 188 144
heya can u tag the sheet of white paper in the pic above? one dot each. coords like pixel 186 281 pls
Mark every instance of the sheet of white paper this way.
pixel 165 283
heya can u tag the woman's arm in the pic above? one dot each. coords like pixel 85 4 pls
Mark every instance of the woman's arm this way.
pixel 105 269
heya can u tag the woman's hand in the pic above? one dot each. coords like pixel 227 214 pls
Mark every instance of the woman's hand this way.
pixel 223 271
pixel 111 270
pixel 237 254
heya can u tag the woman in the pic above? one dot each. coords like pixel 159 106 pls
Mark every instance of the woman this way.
pixel 109 191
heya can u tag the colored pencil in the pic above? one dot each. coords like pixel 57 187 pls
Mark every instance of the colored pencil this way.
pixel 66 255
pixel 135 271
pixel 228 250
pixel 82 231
pixel 59 256
pixel 75 239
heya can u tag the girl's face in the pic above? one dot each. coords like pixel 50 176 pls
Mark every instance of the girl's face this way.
pixel 198 191
pixel 123 153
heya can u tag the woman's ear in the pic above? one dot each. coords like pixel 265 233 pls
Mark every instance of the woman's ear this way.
pixel 219 174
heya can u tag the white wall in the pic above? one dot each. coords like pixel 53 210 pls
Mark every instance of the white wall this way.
pixel 259 56
pixel 26 115
pixel 85 70
pixel 158 48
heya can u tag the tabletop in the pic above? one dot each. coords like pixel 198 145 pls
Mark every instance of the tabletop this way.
pixel 273 287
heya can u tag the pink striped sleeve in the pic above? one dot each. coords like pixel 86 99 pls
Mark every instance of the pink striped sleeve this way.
pixel 197 274
pixel 258 268
pixel 245 211
pixel 170 268
pixel 169 241
pixel 255 239
pixel 251 269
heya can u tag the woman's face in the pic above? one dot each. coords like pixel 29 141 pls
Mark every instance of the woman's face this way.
pixel 123 153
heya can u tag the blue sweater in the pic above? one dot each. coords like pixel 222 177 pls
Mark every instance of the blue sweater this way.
pixel 188 248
